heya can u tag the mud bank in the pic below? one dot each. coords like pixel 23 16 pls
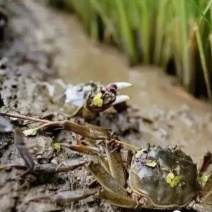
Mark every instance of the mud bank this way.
pixel 42 44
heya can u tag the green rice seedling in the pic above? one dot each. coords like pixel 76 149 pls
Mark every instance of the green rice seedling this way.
pixel 156 32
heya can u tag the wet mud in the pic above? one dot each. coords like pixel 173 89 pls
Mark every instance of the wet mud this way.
pixel 42 44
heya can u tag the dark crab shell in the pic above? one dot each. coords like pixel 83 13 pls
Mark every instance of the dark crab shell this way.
pixel 149 177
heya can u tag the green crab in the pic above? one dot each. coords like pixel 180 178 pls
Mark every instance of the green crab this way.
pixel 89 99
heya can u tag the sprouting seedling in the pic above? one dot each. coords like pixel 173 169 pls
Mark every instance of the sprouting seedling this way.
pixel 6 126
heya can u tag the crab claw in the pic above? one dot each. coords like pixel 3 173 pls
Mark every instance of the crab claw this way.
pixel 121 85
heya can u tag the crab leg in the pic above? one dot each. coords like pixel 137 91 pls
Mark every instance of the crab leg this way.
pixel 105 179
pixel 117 199
pixel 115 161
pixel 207 160
pixel 91 132
pixel 113 191
pixel 207 189
pixel 207 192
pixel 104 163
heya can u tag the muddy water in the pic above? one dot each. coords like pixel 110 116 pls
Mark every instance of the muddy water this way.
pixel 178 117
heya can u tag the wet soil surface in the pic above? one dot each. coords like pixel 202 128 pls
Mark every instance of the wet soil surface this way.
pixel 34 48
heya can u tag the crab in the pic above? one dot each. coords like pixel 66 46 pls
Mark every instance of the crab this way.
pixel 89 99
pixel 152 177
pixel 159 178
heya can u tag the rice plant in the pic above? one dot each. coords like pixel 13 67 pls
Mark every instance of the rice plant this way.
pixel 156 32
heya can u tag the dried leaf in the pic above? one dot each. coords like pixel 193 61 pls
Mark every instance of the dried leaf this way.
pixel 30 132
pixel 151 163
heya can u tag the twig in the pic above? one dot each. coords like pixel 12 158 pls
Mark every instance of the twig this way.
pixel 18 166
pixel 24 117
pixel 56 123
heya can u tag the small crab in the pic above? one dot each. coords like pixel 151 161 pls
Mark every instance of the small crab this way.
pixel 89 99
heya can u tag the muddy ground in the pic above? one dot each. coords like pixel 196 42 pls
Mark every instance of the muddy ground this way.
pixel 38 43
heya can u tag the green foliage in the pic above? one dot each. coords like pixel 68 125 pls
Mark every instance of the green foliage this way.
pixel 156 32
